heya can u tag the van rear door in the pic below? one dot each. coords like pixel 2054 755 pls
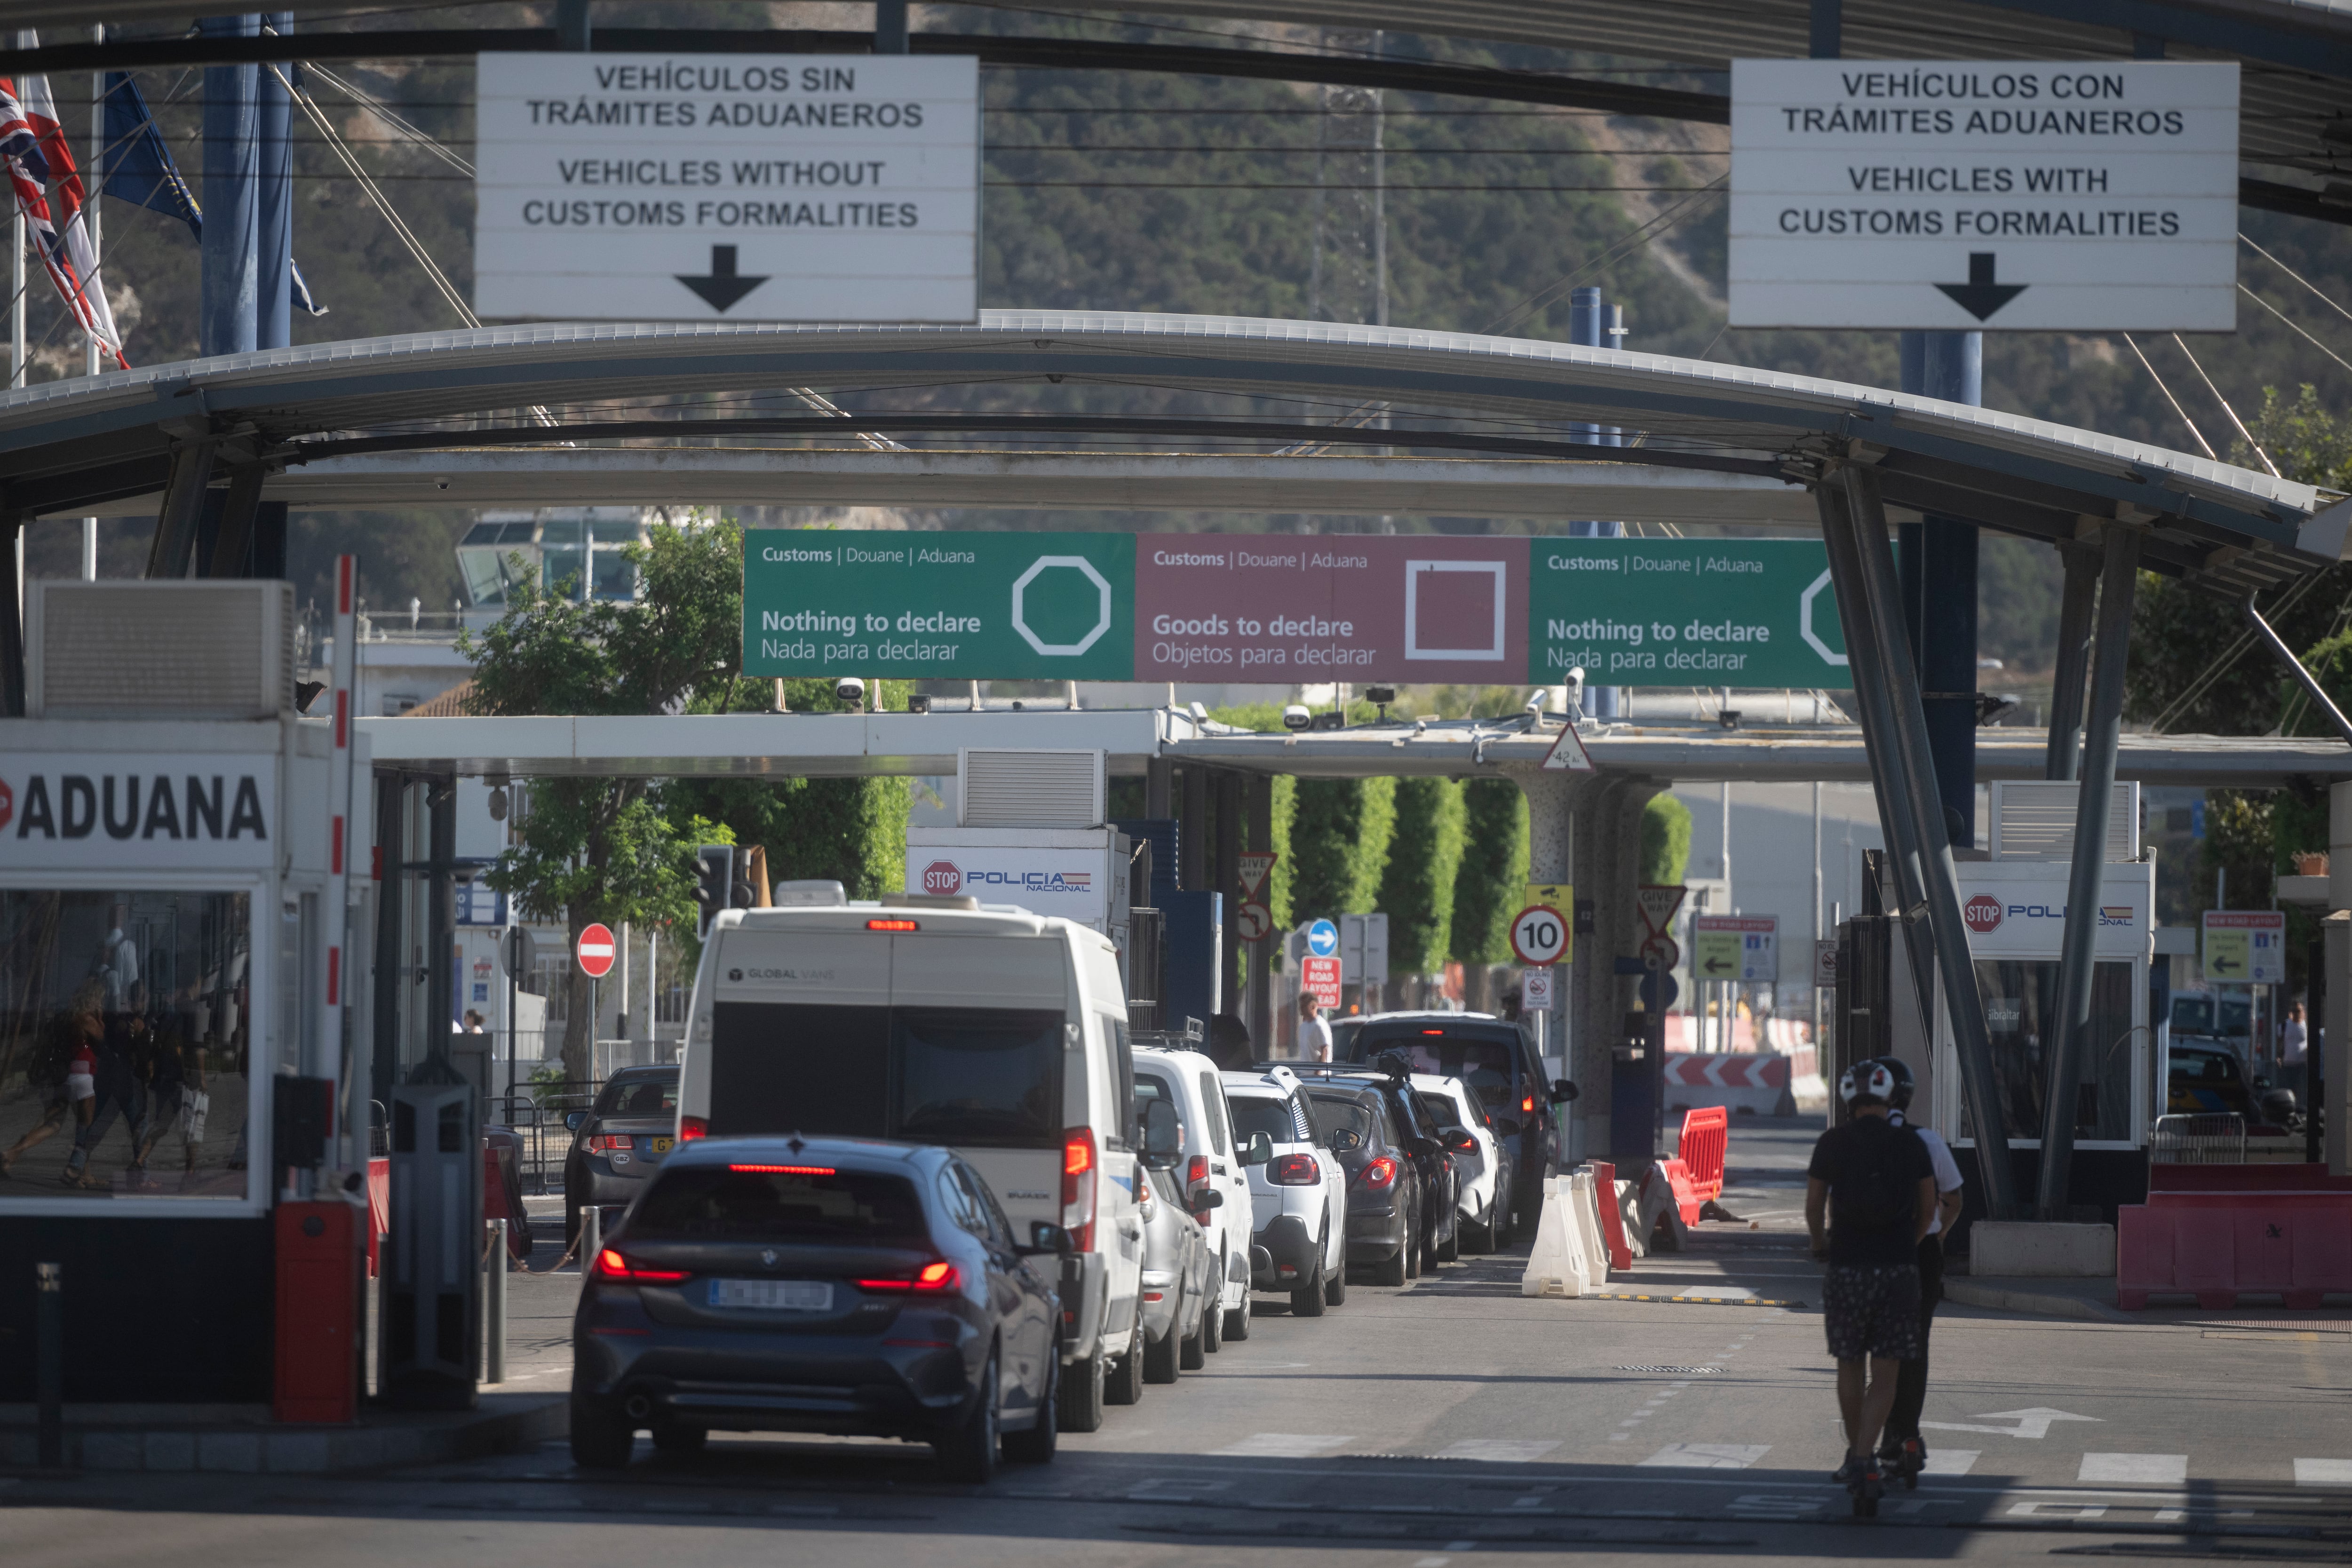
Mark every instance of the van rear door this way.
pixel 799 1033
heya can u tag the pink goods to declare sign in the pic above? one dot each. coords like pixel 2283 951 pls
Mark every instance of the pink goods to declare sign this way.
pixel 1307 607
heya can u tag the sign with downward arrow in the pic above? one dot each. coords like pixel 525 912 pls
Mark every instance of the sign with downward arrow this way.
pixel 1898 193
pixel 849 183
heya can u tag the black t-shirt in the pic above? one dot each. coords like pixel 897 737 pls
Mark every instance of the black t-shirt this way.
pixel 1874 1170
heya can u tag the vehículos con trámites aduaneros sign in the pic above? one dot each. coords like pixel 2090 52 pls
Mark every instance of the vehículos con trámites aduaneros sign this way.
pixel 1287 608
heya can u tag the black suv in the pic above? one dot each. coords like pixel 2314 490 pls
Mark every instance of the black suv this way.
pixel 1409 1134
pixel 1499 1064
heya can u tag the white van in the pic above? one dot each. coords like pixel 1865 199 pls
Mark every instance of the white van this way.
pixel 997 1033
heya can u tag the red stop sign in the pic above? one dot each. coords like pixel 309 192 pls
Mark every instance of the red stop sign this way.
pixel 597 951
pixel 1982 914
pixel 941 877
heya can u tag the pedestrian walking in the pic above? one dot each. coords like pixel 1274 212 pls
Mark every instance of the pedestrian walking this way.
pixel 1869 1192
pixel 1313 1042
pixel 1902 1451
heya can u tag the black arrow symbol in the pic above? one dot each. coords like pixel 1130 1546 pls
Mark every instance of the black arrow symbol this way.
pixel 723 286
pixel 1980 297
pixel 1716 967
pixel 2222 965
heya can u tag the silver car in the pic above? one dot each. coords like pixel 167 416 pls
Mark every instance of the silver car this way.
pixel 1178 1289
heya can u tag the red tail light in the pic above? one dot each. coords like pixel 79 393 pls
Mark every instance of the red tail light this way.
pixel 892 925
pixel 1079 1172
pixel 1528 1104
pixel 1294 1171
pixel 692 1127
pixel 607 1142
pixel 611 1265
pixel 1380 1174
pixel 1196 1170
pixel 785 1170
pixel 932 1279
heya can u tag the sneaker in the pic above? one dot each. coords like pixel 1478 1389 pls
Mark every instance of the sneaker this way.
pixel 1850 1472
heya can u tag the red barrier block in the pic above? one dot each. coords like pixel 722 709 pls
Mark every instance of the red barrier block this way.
pixel 1612 1218
pixel 1707 1137
pixel 320 1308
pixel 2296 1243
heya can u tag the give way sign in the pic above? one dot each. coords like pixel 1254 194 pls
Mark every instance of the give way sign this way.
pixel 596 950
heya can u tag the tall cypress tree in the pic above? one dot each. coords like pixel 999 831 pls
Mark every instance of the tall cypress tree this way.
pixel 1493 875
pixel 1417 885
pixel 1339 835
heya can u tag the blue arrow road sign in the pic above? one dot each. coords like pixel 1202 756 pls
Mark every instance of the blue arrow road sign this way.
pixel 1322 938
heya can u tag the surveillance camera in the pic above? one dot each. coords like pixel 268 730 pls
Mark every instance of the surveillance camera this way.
pixel 1380 696
pixel 1200 714
pixel 850 690
pixel 919 702
pixel 1296 717
pixel 1576 675
pixel 1541 698
pixel 440 481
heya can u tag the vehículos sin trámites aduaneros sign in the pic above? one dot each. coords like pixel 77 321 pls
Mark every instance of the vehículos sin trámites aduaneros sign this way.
pixel 1684 612
pixel 743 187
pixel 1285 608
pixel 987 607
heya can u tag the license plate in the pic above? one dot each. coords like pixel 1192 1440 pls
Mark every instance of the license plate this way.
pixel 772 1295
pixel 661 1145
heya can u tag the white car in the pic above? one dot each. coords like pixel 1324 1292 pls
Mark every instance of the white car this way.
pixel 1298 1192
pixel 1479 1171
pixel 1212 1165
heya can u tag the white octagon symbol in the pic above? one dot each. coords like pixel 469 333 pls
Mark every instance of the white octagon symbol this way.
pixel 1805 620
pixel 1102 619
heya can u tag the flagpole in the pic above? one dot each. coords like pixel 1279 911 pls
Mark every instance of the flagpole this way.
pixel 96 185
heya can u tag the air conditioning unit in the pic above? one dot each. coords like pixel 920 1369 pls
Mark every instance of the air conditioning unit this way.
pixel 2034 819
pixel 1008 788
pixel 206 649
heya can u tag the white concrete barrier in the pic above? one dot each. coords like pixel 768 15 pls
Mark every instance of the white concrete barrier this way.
pixel 1584 1205
pixel 1556 1264
pixel 1657 1216
pixel 1629 1212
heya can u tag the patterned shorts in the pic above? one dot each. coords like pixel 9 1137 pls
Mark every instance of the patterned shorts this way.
pixel 1873 1310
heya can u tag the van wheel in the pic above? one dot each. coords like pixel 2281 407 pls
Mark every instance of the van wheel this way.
pixel 1193 1354
pixel 968 1454
pixel 1124 1383
pixel 1450 1249
pixel 602 1436
pixel 1212 1316
pixel 1082 1394
pixel 1161 1360
pixel 1036 1446
pixel 1237 1321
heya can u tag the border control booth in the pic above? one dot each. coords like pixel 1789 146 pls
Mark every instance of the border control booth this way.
pixel 165 966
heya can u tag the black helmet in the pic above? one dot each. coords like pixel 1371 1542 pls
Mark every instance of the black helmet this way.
pixel 1899 1097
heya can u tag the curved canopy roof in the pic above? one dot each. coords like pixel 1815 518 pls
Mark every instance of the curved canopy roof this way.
pixel 78 443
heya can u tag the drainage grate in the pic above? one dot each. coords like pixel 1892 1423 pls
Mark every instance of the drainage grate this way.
pixel 1677 1371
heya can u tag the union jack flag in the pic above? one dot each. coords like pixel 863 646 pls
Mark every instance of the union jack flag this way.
pixel 50 193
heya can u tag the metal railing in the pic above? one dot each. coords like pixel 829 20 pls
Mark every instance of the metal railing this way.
pixel 536 1113
pixel 2200 1138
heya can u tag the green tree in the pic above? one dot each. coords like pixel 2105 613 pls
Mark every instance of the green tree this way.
pixel 1339 835
pixel 601 849
pixel 1666 840
pixel 1493 876
pixel 1416 889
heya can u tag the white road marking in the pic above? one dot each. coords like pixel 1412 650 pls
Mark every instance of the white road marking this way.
pixel 1500 1450
pixel 1708 1456
pixel 2057 1510
pixel 2158 1469
pixel 2323 1472
pixel 1283 1446
pixel 2033 1423
pixel 1951 1461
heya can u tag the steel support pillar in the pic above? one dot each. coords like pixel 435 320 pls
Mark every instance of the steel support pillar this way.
pixel 1159 787
pixel 12 627
pixel 441 923
pixel 1939 568
pixel 890 26
pixel 2102 734
pixel 2076 602
pixel 572 28
pixel 1226 878
pixel 1877 717
pixel 232 542
pixel 273 316
pixel 1587 325
pixel 1862 564
pixel 1193 832
pixel 177 523
pixel 389 990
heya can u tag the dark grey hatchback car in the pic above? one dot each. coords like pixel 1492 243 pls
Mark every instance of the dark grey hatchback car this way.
pixel 618 1142
pixel 839 1285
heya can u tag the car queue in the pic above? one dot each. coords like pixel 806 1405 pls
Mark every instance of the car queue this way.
pixel 923 1184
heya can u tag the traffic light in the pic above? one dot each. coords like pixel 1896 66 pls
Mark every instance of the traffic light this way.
pixel 714 884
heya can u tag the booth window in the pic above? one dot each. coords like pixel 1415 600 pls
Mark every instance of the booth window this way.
pixel 2020 999
pixel 125 1044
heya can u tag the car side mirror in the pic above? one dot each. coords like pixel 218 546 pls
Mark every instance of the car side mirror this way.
pixel 1345 1139
pixel 1563 1092
pixel 1507 1127
pixel 1046 1237
pixel 1163 1139
pixel 1421 1148
pixel 1461 1139
pixel 574 1123
pixel 1258 1149
pixel 1207 1198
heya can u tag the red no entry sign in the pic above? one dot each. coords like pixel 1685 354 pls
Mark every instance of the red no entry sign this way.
pixel 597 951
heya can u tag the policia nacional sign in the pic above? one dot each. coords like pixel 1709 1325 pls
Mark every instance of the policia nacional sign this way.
pixel 1285 608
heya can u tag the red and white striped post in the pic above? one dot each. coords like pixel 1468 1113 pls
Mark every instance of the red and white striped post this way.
pixel 352 1101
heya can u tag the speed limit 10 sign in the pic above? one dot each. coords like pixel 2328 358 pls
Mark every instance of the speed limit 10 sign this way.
pixel 1540 935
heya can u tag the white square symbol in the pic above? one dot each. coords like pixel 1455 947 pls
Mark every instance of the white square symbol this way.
pixel 1414 571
